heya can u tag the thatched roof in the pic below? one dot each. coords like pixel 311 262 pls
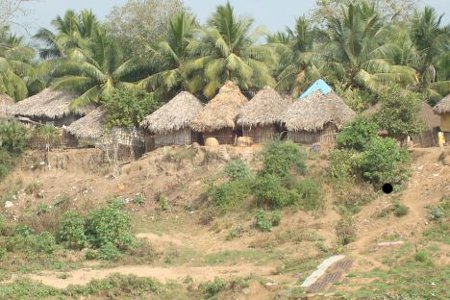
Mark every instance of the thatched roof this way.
pixel 264 109
pixel 89 126
pixel 221 111
pixel 431 119
pixel 49 103
pixel 443 107
pixel 315 111
pixel 5 104
pixel 175 115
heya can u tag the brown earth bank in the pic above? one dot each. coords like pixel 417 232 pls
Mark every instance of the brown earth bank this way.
pixel 190 243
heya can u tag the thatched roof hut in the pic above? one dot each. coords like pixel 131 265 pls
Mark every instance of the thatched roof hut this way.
pixel 221 111
pixel 48 105
pixel 173 116
pixel 428 116
pixel 315 111
pixel 5 104
pixel 443 107
pixel 89 126
pixel 263 109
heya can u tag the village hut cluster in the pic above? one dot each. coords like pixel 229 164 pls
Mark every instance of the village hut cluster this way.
pixel 316 117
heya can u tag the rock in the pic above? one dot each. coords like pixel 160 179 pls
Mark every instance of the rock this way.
pixel 391 244
pixel 8 204
pixel 444 158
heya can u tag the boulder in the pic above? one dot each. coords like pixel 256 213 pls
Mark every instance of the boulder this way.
pixel 211 142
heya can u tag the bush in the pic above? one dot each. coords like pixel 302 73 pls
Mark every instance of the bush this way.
pixel 344 165
pixel 109 224
pixel 237 170
pixel 230 194
pixel 357 135
pixel 400 209
pixel 108 252
pixel 422 256
pixel 45 242
pixel 49 134
pixel 345 231
pixel 384 162
pixel 265 222
pixel 6 162
pixel 71 231
pixel 280 158
pixel 270 192
pixel 310 195
pixel 212 288
pixel 31 243
pixel 13 136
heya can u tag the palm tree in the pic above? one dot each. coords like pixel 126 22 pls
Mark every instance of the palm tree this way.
pixel 168 58
pixel 227 50
pixel 357 52
pixel 96 70
pixel 297 67
pixel 17 72
pixel 72 30
pixel 432 43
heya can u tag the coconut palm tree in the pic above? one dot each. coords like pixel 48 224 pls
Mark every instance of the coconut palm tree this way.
pixel 432 42
pixel 96 70
pixel 72 30
pixel 227 50
pixel 16 69
pixel 168 58
pixel 357 52
pixel 297 66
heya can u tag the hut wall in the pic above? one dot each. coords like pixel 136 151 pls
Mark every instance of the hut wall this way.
pixel 428 138
pixel 224 136
pixel 261 134
pixel 179 137
pixel 445 122
pixel 325 136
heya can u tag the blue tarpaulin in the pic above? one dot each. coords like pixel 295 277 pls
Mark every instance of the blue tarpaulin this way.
pixel 319 85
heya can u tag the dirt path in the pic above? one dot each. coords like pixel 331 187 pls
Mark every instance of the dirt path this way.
pixel 198 274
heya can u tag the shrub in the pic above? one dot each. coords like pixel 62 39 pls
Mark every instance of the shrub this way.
pixel 31 243
pixel 212 288
pixel 108 252
pixel 384 162
pixel 344 165
pixel 282 157
pixel 422 256
pixel 400 209
pixel 6 162
pixel 237 170
pixel 265 222
pixel 13 136
pixel 345 231
pixel 230 194
pixel 310 195
pixel 109 224
pixel 45 242
pixel 270 192
pixel 71 231
pixel 357 135
pixel 49 134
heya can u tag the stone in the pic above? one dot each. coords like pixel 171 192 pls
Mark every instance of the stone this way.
pixel 211 142
pixel 8 204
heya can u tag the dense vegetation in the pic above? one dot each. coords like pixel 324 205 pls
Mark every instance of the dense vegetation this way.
pixel 359 47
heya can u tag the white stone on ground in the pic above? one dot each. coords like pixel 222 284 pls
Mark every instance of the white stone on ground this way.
pixel 321 269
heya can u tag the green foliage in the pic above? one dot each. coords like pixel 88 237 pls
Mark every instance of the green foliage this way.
pixel 108 252
pixel 280 158
pixel 109 224
pixel 270 192
pixel 164 204
pixel 49 133
pixel 6 162
pixel 400 209
pixel 71 231
pixel 344 165
pixel 13 136
pixel 399 112
pixel 128 107
pixel 230 194
pixel 212 288
pixel 237 170
pixel 265 221
pixel 357 135
pixel 384 162
pixel 310 196
pixel 422 256
pixel 31 243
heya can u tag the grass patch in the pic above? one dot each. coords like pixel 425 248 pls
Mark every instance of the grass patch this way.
pixel 234 257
